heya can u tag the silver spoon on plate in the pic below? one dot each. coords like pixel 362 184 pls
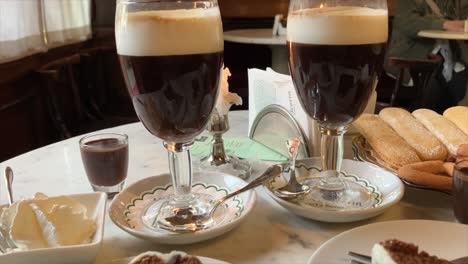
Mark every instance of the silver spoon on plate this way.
pixel 293 188
pixel 271 172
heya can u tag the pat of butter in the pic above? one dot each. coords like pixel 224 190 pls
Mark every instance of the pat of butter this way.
pixel 62 227
pixel 47 222
pixel 25 231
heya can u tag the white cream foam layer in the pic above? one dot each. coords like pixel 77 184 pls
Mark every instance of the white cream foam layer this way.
pixel 338 26
pixel 169 32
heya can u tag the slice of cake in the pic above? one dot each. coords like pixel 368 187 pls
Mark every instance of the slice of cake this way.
pixel 175 257
pixel 394 251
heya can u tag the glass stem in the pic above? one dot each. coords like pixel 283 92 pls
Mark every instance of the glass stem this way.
pixel 217 151
pixel 180 166
pixel 332 156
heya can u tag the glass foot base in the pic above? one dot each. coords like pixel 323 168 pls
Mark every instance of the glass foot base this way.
pixel 353 197
pixel 110 190
pixel 234 166
pixel 182 215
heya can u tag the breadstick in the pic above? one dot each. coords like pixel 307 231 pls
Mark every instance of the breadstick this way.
pixel 387 143
pixel 462 151
pixel 446 131
pixel 459 116
pixel 414 133
pixel 429 173
pixel 449 167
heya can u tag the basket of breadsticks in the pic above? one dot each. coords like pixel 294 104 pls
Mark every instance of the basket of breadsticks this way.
pixel 420 147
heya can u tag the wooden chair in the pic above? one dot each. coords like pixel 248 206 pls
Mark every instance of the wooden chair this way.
pixel 62 94
pixel 421 71
pixel 76 91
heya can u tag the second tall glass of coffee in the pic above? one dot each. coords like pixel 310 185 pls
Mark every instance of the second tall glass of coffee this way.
pixel 171 54
pixel 336 49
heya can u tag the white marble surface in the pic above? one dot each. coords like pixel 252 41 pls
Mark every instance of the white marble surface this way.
pixel 269 235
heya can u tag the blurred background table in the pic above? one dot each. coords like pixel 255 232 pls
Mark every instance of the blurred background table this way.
pixel 269 235
pixel 263 36
pixel 443 34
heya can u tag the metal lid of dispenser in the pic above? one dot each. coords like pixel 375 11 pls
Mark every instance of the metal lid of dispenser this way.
pixel 274 125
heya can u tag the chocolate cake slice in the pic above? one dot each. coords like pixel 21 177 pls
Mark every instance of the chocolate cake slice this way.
pixel 175 257
pixel 394 251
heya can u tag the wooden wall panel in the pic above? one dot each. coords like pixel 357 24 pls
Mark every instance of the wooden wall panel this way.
pixel 265 8
pixel 253 8
pixel 391 7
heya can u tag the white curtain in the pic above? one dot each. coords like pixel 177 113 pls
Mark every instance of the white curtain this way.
pixel 32 26
pixel 20 29
pixel 67 21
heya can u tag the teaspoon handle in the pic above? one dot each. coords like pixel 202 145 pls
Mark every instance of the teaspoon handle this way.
pixel 271 172
pixel 9 183
pixel 293 149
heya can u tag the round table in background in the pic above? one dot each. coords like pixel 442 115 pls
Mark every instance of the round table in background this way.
pixel 263 36
pixel 270 234
pixel 443 34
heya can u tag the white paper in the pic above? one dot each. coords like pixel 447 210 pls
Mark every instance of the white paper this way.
pixel 269 87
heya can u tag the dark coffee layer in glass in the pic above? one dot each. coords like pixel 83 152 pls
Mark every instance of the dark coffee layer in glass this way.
pixel 105 161
pixel 334 82
pixel 460 194
pixel 174 95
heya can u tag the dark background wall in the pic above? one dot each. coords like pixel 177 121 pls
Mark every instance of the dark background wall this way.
pixel 29 119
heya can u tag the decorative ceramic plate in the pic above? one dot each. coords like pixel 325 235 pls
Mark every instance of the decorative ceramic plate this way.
pixel 364 152
pixel 128 206
pixel 385 187
pixel 443 239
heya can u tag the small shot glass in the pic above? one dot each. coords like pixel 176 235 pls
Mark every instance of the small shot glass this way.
pixel 105 159
pixel 460 191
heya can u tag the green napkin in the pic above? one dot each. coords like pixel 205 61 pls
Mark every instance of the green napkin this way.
pixel 245 148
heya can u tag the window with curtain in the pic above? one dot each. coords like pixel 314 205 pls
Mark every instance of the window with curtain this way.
pixel 32 26
pixel 20 29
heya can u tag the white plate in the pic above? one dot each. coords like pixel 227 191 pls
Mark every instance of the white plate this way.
pixel 95 204
pixel 443 239
pixel 204 260
pixel 387 190
pixel 127 206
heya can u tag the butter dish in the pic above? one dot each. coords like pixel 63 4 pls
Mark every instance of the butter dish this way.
pixel 95 204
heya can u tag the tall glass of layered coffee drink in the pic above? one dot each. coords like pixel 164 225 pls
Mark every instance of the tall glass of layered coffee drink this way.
pixel 171 54
pixel 336 49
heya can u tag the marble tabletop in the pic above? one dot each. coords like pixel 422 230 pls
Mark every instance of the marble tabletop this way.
pixel 270 234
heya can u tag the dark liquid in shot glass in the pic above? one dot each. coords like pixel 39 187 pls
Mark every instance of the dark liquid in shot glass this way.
pixel 460 194
pixel 105 161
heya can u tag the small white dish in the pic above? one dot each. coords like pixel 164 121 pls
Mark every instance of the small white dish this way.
pixel 86 253
pixel 443 239
pixel 386 188
pixel 204 260
pixel 127 207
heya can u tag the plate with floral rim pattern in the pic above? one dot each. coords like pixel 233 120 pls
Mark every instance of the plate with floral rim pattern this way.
pixel 128 206
pixel 385 188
